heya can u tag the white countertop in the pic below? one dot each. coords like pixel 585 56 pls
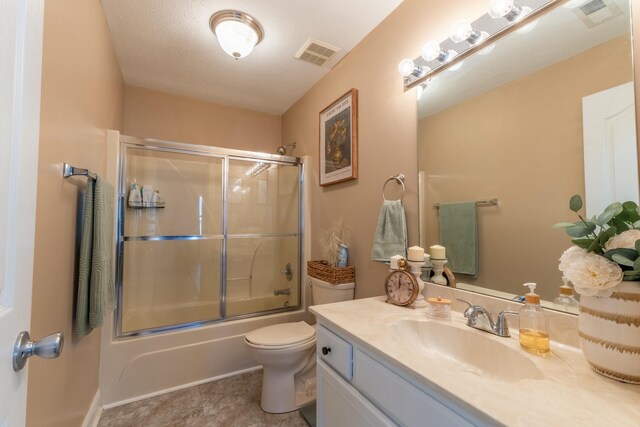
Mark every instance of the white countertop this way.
pixel 570 394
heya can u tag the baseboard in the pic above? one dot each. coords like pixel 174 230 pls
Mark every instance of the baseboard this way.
pixel 180 387
pixel 95 411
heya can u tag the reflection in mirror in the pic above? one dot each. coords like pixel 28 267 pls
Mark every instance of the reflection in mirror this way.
pixel 547 114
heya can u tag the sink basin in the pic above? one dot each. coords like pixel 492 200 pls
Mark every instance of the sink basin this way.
pixel 473 351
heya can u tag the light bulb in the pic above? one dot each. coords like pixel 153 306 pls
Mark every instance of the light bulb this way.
pixel 420 91
pixel 487 50
pixel 236 38
pixel 528 27
pixel 452 54
pixel 431 50
pixel 462 30
pixel 500 8
pixel 524 12
pixel 406 67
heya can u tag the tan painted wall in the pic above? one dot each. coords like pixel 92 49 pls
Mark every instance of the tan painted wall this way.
pixel 387 128
pixel 521 143
pixel 82 95
pixel 154 114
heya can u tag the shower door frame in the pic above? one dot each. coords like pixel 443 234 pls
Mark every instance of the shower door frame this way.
pixel 225 154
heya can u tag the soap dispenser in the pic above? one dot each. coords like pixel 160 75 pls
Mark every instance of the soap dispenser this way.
pixel 533 336
pixel 566 301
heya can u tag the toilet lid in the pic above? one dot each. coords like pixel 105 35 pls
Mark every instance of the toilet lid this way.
pixel 281 334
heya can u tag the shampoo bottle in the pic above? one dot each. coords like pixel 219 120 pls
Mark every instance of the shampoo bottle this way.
pixel 534 336
pixel 566 301
pixel 135 197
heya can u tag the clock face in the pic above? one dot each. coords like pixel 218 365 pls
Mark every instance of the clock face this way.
pixel 401 288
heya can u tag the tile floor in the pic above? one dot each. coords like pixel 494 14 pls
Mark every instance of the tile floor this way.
pixel 229 402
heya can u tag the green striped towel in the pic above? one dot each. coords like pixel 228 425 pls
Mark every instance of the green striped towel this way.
pixel 96 278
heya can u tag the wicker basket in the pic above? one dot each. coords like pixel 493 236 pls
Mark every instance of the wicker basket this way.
pixel 334 275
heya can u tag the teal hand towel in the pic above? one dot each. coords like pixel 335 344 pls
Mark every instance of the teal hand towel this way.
pixel 96 278
pixel 391 233
pixel 459 234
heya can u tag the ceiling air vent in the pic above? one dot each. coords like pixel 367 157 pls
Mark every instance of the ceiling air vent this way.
pixel 316 52
pixel 595 12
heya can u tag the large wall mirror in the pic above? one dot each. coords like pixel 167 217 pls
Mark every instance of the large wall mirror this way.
pixel 548 113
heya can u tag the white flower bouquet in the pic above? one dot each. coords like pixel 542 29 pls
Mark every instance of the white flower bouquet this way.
pixel 606 251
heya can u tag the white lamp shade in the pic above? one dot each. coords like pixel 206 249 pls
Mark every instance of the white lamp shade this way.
pixel 406 67
pixel 461 31
pixel 500 8
pixel 431 50
pixel 236 38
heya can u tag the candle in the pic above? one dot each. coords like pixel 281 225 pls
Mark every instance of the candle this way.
pixel 416 253
pixel 437 252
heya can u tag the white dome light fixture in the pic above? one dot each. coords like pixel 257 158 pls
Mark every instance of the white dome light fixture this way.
pixel 237 32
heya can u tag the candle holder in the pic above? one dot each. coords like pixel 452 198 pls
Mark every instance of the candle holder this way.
pixel 438 268
pixel 416 270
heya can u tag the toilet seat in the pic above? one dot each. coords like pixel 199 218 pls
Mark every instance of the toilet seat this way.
pixel 281 336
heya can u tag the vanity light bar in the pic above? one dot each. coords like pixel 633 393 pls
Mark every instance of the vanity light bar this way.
pixel 494 28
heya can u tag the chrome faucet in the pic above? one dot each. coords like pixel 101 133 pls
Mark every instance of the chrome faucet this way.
pixel 475 315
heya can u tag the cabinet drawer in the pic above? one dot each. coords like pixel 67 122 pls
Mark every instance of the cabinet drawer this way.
pixel 404 402
pixel 335 351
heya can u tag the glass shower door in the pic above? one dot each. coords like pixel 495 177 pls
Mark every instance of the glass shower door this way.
pixel 171 255
pixel 262 236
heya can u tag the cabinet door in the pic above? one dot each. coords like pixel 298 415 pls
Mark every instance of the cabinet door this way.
pixel 340 405
pixel 404 402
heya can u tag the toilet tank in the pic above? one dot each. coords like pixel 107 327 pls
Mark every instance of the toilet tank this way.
pixel 324 293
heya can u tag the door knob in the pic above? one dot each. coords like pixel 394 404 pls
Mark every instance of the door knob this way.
pixel 48 347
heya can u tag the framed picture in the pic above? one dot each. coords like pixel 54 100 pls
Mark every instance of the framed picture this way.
pixel 339 140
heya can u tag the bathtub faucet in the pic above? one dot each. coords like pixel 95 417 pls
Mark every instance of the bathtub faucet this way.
pixel 285 291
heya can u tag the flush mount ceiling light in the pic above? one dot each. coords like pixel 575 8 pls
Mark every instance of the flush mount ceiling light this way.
pixel 237 32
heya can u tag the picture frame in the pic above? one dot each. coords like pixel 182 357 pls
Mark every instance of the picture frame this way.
pixel 338 148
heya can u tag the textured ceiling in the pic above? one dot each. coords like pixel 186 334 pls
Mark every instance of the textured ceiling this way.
pixel 167 45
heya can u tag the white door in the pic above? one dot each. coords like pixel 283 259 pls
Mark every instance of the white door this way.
pixel 610 151
pixel 20 66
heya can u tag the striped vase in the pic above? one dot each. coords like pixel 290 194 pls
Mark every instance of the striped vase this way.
pixel 610 333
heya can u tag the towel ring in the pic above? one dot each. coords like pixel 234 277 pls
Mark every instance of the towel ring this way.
pixel 398 179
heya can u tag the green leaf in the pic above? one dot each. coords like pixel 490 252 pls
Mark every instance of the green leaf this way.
pixel 628 216
pixel 630 254
pixel 603 237
pixel 632 273
pixel 636 264
pixel 595 246
pixel 580 229
pixel 637 245
pixel 619 225
pixel 583 243
pixel 631 278
pixel 612 210
pixel 636 224
pixel 622 260
pixel 630 206
pixel 575 203
pixel 562 225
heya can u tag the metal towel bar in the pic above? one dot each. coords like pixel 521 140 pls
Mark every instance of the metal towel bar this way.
pixel 490 202
pixel 68 170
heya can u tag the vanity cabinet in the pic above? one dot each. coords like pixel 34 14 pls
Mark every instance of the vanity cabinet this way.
pixel 358 388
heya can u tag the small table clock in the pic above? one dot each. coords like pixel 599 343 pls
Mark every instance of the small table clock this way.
pixel 401 287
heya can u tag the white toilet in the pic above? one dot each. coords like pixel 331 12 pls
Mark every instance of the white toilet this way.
pixel 287 353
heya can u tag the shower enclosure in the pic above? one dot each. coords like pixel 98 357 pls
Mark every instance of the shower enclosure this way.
pixel 217 235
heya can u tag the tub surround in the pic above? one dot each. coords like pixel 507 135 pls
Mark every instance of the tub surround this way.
pixel 569 392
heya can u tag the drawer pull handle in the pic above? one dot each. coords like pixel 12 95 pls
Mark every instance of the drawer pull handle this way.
pixel 326 350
